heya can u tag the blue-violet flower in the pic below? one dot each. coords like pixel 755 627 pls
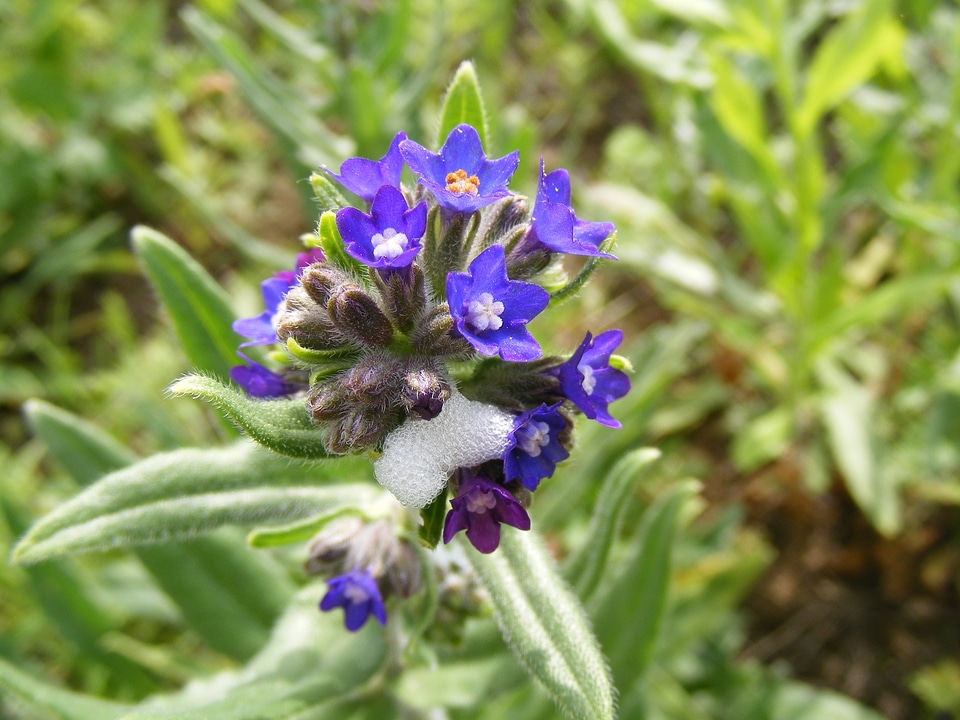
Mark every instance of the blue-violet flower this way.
pixel 363 177
pixel 480 507
pixel 389 236
pixel 460 176
pixel 490 310
pixel 555 225
pixel 534 447
pixel 588 380
pixel 357 593
pixel 260 382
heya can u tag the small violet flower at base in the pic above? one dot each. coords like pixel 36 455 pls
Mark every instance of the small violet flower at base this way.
pixel 389 237
pixel 490 310
pixel 588 381
pixel 480 507
pixel 260 382
pixel 534 446
pixel 364 177
pixel 357 593
pixel 459 176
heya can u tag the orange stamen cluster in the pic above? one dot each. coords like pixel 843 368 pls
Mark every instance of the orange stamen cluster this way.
pixel 459 182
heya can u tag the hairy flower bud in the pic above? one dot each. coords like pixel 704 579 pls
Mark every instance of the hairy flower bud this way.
pixel 327 401
pixel 404 296
pixel 505 218
pixel 374 380
pixel 327 549
pixel 358 316
pixel 321 280
pixel 308 323
pixel 361 427
pixel 424 390
pixel 436 334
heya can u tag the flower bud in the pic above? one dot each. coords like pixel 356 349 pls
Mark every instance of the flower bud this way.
pixel 505 218
pixel 328 547
pixel 308 323
pixel 327 401
pixel 361 427
pixel 321 280
pixel 357 315
pixel 436 334
pixel 424 391
pixel 403 294
pixel 373 380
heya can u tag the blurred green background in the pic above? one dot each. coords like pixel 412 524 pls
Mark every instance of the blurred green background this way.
pixel 784 179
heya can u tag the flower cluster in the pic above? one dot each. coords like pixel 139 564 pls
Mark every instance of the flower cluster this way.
pixel 412 329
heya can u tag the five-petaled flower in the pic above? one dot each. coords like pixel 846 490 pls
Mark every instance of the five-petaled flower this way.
pixel 480 507
pixel 534 447
pixel 491 311
pixel 389 237
pixel 588 381
pixel 357 593
pixel 554 224
pixel 459 175
pixel 363 177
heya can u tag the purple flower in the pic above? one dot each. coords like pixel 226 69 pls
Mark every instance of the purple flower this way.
pixel 262 329
pixel 479 508
pixel 460 176
pixel 364 177
pixel 389 236
pixel 534 448
pixel 260 382
pixel 490 310
pixel 588 380
pixel 357 593
pixel 555 225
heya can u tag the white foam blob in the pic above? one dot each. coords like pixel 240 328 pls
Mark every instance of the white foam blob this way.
pixel 420 455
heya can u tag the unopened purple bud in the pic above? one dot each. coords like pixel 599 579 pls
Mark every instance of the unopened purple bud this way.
pixel 424 392
pixel 308 324
pixel 403 293
pixel 321 280
pixel 327 401
pixel 358 316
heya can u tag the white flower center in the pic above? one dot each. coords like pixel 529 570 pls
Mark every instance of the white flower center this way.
pixel 389 244
pixel 356 594
pixel 589 381
pixel 484 313
pixel 533 436
pixel 478 501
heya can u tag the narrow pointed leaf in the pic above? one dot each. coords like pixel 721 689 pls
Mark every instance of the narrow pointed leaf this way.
pixel 86 451
pixel 197 305
pixel 38 699
pixel 208 578
pixel 281 425
pixel 310 668
pixel 545 626
pixel 182 494
pixel 629 612
pixel 586 567
pixel 848 410
pixel 463 103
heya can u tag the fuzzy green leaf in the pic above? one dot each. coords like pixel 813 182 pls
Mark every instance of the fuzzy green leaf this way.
pixel 196 304
pixel 281 425
pixel 545 626
pixel 180 495
pixel 85 450
pixel 586 567
pixel 630 609
pixel 311 668
pixel 463 103
pixel 207 577
pixel 42 700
